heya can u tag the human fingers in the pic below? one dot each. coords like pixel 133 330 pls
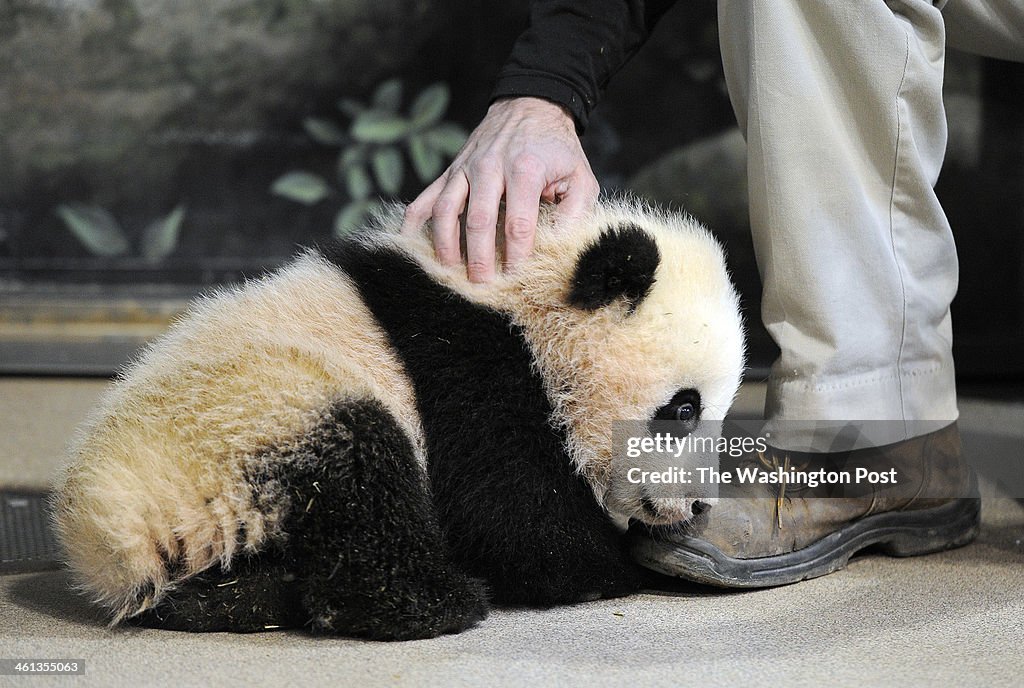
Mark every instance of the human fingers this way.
pixel 486 186
pixel 446 211
pixel 576 196
pixel 522 201
pixel 418 212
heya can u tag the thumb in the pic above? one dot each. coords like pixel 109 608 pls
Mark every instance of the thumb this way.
pixel 577 199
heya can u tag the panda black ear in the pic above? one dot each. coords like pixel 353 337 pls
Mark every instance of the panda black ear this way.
pixel 620 264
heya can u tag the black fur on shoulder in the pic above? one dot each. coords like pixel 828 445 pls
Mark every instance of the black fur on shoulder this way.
pixel 515 511
pixel 620 264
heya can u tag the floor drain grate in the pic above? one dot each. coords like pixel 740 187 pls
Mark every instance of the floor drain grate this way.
pixel 27 542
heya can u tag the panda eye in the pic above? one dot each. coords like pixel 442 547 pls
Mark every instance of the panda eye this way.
pixel 685 412
pixel 684 408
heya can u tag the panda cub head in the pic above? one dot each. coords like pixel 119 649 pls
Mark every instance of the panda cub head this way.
pixel 630 316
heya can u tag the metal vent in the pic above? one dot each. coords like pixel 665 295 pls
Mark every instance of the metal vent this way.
pixel 27 542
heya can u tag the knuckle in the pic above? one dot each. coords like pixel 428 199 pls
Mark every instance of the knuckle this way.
pixel 414 211
pixel 446 254
pixel 444 207
pixel 479 222
pixel 478 269
pixel 528 166
pixel 519 229
pixel 485 165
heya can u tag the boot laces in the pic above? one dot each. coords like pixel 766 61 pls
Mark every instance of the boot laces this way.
pixel 771 461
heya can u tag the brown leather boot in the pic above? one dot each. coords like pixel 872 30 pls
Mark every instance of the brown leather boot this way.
pixel 761 535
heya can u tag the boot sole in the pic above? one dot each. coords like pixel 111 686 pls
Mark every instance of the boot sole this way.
pixel 896 533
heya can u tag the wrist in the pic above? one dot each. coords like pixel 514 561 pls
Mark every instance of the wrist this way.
pixel 534 106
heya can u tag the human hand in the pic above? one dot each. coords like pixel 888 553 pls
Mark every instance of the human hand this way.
pixel 525 149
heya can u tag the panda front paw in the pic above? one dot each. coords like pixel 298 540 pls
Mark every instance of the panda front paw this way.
pixel 549 591
pixel 566 577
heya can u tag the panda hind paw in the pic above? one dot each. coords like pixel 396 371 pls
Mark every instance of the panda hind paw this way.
pixel 403 611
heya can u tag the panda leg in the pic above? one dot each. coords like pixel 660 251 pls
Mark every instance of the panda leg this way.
pixel 364 533
pixel 260 592
pixel 363 556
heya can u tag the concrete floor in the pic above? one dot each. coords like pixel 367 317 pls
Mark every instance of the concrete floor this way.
pixel 955 618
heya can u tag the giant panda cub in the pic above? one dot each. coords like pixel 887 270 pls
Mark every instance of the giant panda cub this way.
pixel 365 443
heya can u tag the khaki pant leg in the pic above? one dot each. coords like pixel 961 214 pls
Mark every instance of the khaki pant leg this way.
pixel 841 107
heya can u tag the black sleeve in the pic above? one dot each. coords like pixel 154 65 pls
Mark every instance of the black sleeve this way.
pixel 573 47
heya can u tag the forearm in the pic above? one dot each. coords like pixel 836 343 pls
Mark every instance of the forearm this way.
pixel 572 48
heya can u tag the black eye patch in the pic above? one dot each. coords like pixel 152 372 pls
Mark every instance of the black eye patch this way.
pixel 683 411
